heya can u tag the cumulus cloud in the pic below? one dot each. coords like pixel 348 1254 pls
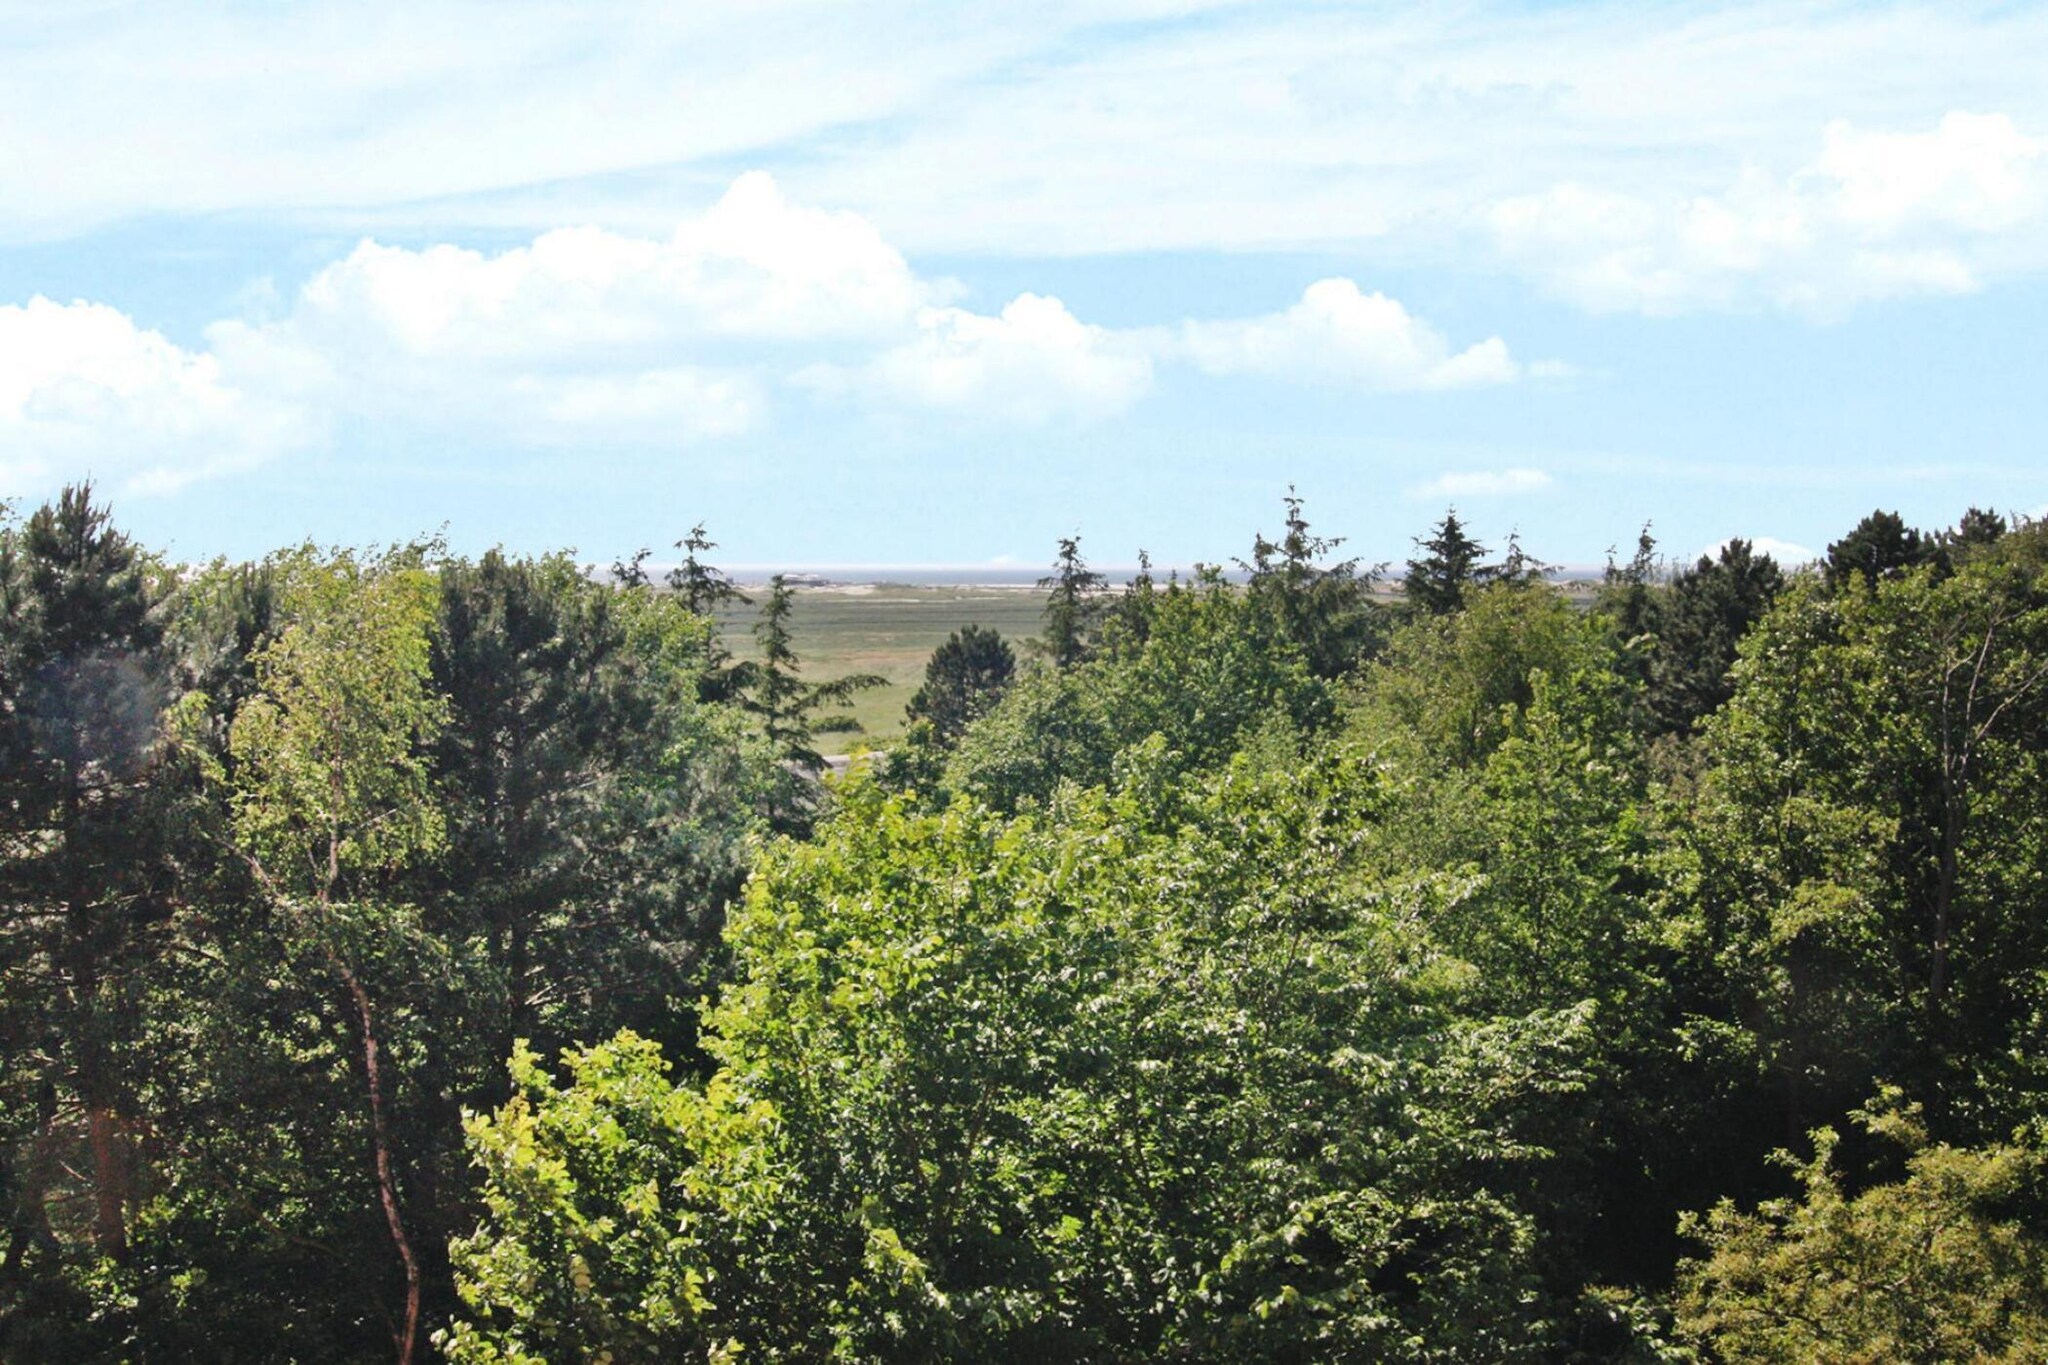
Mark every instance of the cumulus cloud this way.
pixel 1875 215
pixel 1339 334
pixel 587 336
pixel 1032 362
pixel 753 266
pixel 1483 483
pixel 586 333
pixel 85 392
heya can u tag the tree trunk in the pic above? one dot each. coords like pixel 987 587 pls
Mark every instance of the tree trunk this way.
pixel 380 1139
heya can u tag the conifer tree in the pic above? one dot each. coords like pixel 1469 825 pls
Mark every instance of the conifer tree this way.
pixel 1881 546
pixel 705 590
pixel 771 688
pixel 964 678
pixel 1437 580
pixel 1072 606
pixel 1708 610
pixel 1326 609
pixel 83 882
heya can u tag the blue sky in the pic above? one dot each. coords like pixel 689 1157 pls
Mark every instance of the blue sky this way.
pixel 897 283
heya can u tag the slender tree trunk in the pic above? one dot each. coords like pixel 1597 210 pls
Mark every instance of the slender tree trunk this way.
pixel 95 1071
pixel 109 1214
pixel 102 1118
pixel 380 1139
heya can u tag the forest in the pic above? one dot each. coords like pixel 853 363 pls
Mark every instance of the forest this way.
pixel 413 957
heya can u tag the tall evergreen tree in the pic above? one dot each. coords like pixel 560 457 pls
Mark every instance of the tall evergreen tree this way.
pixel 1708 610
pixel 1977 529
pixel 1071 606
pixel 773 691
pixel 1325 609
pixel 85 883
pixel 1450 564
pixel 965 676
pixel 1628 592
pixel 570 756
pixel 1881 546
pixel 1127 620
pixel 706 590
pixel 703 587
pixel 1517 566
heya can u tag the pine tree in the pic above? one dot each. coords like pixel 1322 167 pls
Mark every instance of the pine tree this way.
pixel 1708 610
pixel 1881 546
pixel 1325 609
pixel 771 688
pixel 706 590
pixel 1517 567
pixel 703 588
pixel 1436 582
pixel 1072 606
pixel 964 678
pixel 1628 591
pixel 83 685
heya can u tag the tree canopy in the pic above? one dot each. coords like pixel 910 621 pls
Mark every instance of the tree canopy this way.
pixel 406 956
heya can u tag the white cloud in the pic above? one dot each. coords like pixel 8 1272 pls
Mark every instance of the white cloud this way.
pixel 596 338
pixel 1032 362
pixel 1784 551
pixel 1483 483
pixel 1976 172
pixel 1069 129
pixel 86 392
pixel 1290 127
pixel 754 265
pixel 587 333
pixel 1875 215
pixel 1339 334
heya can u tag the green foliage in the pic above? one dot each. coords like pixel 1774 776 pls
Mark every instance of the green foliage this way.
pixel 1946 1264
pixel 1881 546
pixel 965 678
pixel 1208 669
pixel 1707 612
pixel 772 688
pixel 704 590
pixel 1452 684
pixel 331 773
pixel 1071 606
pixel 1437 581
pixel 1873 830
pixel 575 726
pixel 1073 1086
pixel 404 809
pixel 86 851
pixel 1239 985
pixel 1325 610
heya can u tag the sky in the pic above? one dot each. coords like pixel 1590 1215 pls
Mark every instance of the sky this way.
pixel 891 283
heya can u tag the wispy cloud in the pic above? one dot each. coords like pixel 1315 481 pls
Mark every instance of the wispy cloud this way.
pixel 1595 147
pixel 1483 483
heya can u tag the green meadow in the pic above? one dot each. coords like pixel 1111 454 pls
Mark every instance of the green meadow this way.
pixel 889 629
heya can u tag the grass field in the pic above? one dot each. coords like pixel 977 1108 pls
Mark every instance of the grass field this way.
pixel 887 629
pixel 892 629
